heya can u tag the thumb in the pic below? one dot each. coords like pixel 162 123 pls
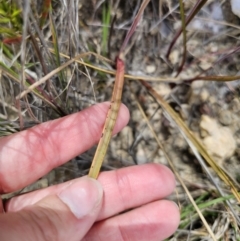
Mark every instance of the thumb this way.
pixel 66 216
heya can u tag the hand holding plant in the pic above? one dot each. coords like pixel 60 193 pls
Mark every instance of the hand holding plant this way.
pixel 81 209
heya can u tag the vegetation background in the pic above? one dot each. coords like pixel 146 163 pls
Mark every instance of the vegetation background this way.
pixel 189 55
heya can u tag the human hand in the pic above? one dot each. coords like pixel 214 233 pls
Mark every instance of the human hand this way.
pixel 81 209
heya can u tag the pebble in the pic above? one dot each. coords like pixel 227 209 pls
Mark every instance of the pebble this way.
pixel 217 139
pixel 163 89
pixel 204 95
pixel 124 157
pixel 126 136
pixel 174 57
pixel 184 111
pixel 141 155
pixel 205 64
pixel 179 142
pixel 235 7
pixel 225 117
pixel 150 69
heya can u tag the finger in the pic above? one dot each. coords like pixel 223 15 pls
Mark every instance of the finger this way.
pixel 67 216
pixel 155 221
pixel 30 154
pixel 135 186
pixel 123 189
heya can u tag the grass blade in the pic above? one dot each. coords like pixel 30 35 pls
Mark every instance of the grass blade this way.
pixel 116 100
pixel 38 92
pixel 56 50
pixel 110 121
pixel 106 23
pixel 134 24
pixel 191 15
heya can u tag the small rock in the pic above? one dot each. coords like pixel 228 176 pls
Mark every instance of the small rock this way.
pixel 235 125
pixel 150 69
pixel 218 140
pixel 213 47
pixel 124 157
pixel 197 85
pixel 236 7
pixel 163 89
pixel 204 95
pixel 179 142
pixel 225 117
pixel 136 115
pixel 196 88
pixel 212 99
pixel 184 111
pixel 174 57
pixel 205 64
pixel 141 155
pixel 235 105
pixel 126 136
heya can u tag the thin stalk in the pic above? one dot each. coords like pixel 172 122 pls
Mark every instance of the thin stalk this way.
pixel 198 6
pixel 184 37
pixel 45 12
pixel 115 102
pixel 134 24
pixel 109 122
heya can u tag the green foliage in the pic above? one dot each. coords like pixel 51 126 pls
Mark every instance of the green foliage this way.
pixel 10 14
pixel 106 17
pixel 56 52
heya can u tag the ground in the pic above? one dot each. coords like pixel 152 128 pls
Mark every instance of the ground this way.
pixel 209 108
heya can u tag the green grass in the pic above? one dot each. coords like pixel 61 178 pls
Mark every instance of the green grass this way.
pixel 106 18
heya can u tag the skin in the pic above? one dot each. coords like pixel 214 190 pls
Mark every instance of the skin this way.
pixel 124 204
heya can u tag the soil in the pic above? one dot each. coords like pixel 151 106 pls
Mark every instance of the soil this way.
pixel 209 108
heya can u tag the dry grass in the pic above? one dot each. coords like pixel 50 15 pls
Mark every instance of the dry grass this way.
pixel 33 47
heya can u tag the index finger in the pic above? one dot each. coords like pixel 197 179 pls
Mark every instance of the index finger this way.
pixel 30 154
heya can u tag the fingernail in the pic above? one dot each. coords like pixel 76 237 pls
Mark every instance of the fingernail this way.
pixel 82 196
